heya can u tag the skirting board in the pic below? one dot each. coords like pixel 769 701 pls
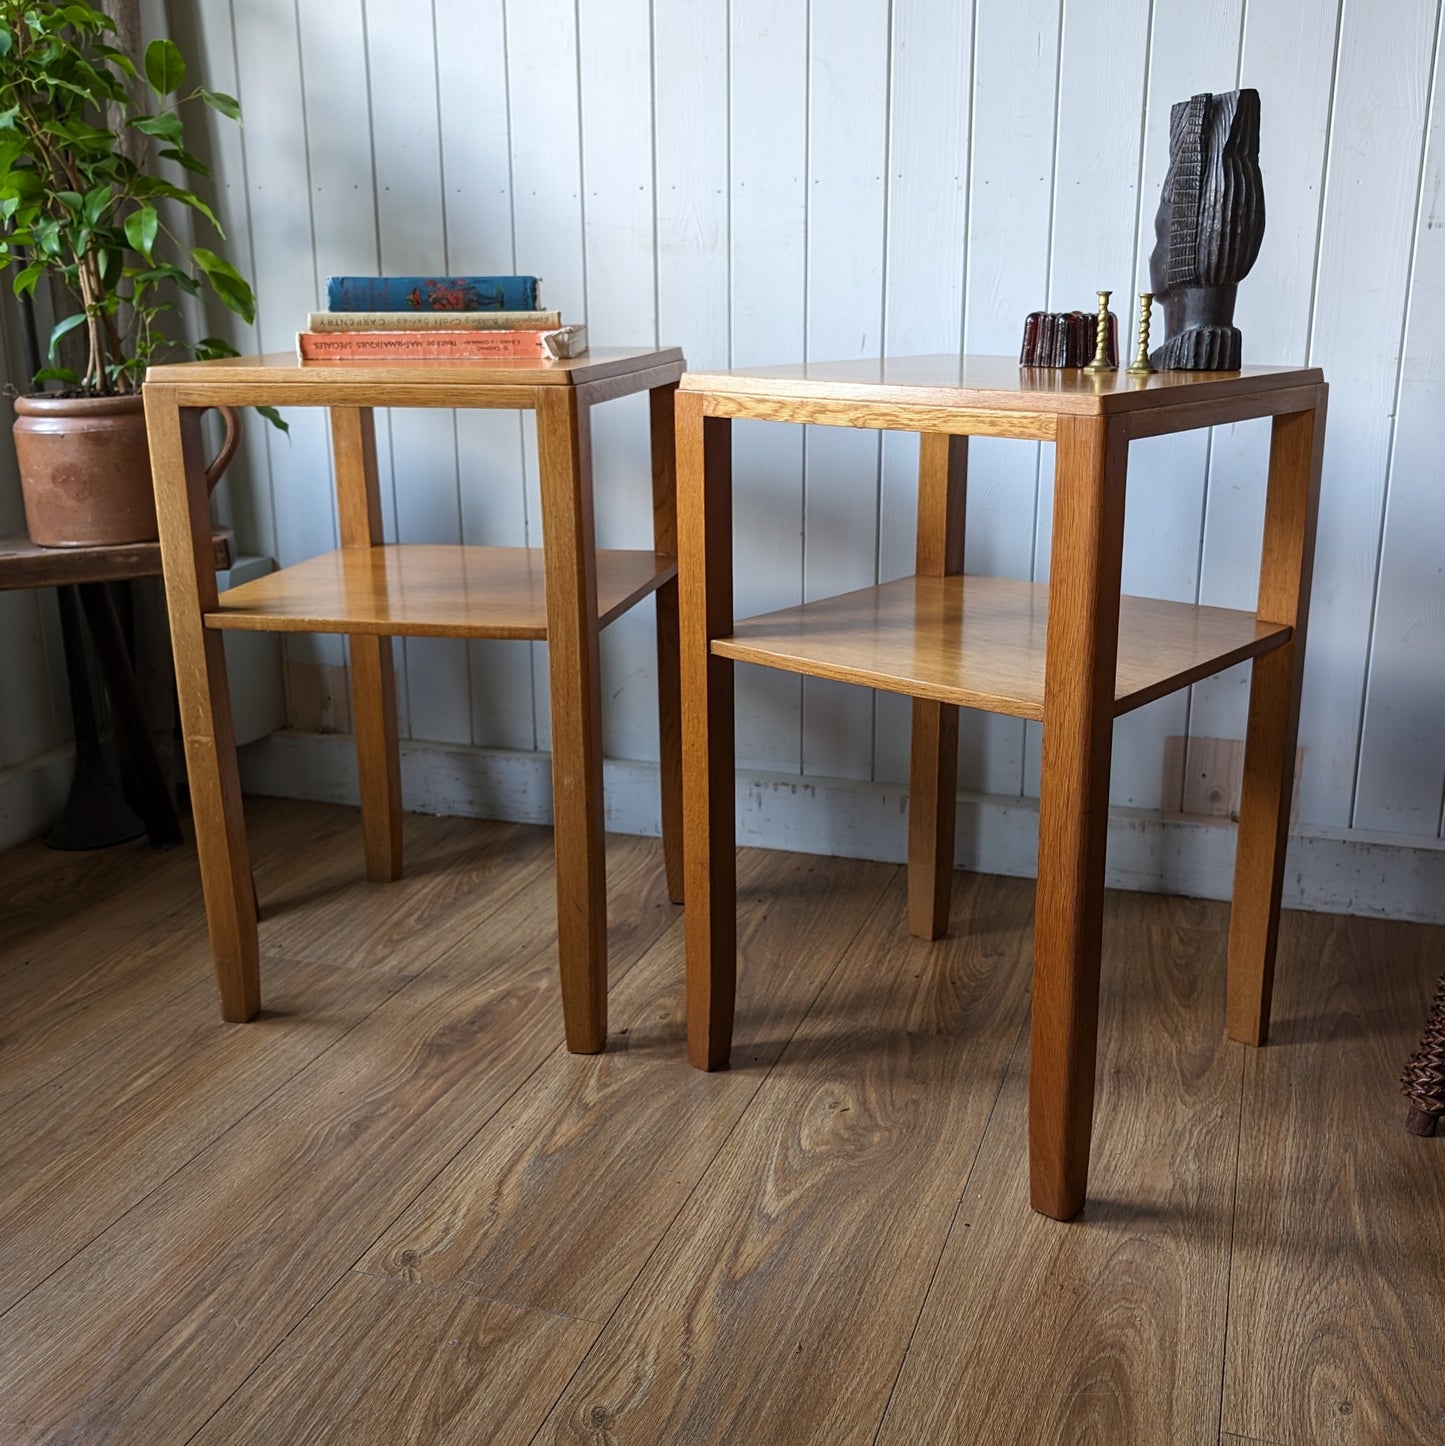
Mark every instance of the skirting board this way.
pixel 1328 870
pixel 32 794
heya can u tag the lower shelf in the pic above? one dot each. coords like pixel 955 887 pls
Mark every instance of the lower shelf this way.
pixel 420 590
pixel 979 642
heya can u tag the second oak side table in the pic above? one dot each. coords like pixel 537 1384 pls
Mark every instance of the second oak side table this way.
pixel 565 592
pixel 1074 654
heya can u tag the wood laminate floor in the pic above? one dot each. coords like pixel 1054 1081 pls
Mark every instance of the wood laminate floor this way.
pixel 393 1209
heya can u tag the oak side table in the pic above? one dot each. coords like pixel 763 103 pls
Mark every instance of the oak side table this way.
pixel 565 592
pixel 1074 654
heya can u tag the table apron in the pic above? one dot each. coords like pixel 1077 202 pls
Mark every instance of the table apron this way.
pixel 334 392
pixel 899 417
pixel 1189 417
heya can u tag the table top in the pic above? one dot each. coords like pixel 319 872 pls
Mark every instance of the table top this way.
pixel 997 383
pixel 292 379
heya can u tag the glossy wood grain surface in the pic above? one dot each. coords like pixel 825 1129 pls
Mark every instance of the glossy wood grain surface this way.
pixel 378 1361
pixel 259 1190
pixel 1113 1331
pixel 623 1155
pixel 823 1215
pixel 991 383
pixel 1336 1331
pixel 981 642
pixel 421 590
pixel 280 379
pixel 826 1242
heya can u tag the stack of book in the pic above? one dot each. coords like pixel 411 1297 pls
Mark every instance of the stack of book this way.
pixel 436 318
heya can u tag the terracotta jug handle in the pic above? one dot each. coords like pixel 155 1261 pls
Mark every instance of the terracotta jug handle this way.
pixel 229 442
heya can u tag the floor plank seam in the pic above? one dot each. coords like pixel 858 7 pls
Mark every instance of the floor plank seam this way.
pixel 352 1269
pixel 952 1224
pixel 145 1200
pixel 1233 1227
pixel 425 1185
pixel 464 1291
pixel 168 998
pixel 427 962
pixel 702 1175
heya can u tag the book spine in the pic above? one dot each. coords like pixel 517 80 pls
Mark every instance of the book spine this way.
pixel 431 293
pixel 438 345
pixel 433 320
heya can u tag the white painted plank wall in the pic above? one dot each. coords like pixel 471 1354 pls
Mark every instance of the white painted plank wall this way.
pixel 767 181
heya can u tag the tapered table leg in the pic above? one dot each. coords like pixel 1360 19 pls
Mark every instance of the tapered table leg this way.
pixel 565 462
pixel 933 752
pixel 1295 456
pixel 373 678
pixel 662 401
pixel 1078 730
pixel 705 568
pixel 182 507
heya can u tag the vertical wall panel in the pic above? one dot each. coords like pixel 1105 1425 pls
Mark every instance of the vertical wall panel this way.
pixel 477 205
pixel 546 205
pixel 847 137
pixel 1102 88
pixel 616 56
pixel 1016 82
pixel 768 252
pixel 1402 753
pixel 928 154
pixel 1191 50
pixel 1289 56
pixel 419 444
pixel 278 190
pixel 1371 190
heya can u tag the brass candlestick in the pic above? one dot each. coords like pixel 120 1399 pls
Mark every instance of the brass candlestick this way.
pixel 1101 362
pixel 1141 366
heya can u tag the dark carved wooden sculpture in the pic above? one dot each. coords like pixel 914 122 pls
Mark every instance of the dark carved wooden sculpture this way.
pixel 1208 229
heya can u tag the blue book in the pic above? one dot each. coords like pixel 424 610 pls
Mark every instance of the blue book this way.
pixel 431 293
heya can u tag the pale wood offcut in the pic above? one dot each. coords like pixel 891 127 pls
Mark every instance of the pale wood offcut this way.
pixel 395 1209
pixel 1073 654
pixel 563 593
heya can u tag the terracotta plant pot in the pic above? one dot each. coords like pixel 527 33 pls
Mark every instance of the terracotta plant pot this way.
pixel 85 469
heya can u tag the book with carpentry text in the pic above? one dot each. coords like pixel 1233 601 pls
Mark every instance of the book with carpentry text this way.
pixel 432 293
pixel 433 320
pixel 553 344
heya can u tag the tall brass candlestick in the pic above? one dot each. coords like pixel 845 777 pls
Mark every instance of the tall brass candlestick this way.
pixel 1141 366
pixel 1101 362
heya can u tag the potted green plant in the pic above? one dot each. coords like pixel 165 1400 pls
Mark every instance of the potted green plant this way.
pixel 83 203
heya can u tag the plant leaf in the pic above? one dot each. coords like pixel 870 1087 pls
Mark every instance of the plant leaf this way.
pixel 57 374
pixel 165 70
pixel 7 41
pixel 275 418
pixel 166 127
pixel 154 186
pixel 186 160
pixel 61 328
pixel 228 105
pixel 227 282
pixel 25 280
pixel 96 201
pixel 140 229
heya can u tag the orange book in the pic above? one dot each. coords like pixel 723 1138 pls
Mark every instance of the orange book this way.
pixel 554 344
